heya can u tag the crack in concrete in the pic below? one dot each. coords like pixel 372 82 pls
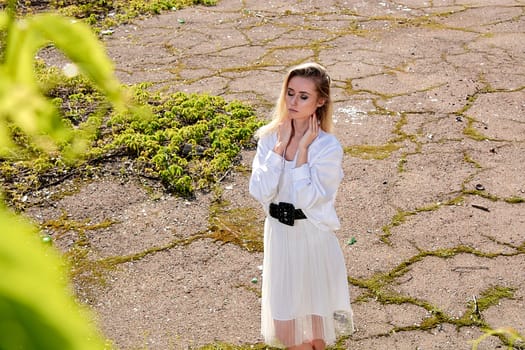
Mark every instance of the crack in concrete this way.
pixel 423 77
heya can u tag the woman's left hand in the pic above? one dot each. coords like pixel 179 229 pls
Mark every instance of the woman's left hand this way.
pixel 312 132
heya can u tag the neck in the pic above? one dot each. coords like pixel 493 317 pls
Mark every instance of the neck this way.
pixel 300 127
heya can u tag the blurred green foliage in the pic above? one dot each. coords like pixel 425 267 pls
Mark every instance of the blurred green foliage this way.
pixel 55 121
pixel 37 307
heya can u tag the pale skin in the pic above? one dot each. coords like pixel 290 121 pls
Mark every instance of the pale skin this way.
pixel 296 133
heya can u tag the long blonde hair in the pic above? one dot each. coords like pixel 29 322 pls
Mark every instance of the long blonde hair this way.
pixel 321 79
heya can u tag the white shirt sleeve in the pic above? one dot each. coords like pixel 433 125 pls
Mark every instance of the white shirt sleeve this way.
pixel 266 170
pixel 318 180
pixel 316 183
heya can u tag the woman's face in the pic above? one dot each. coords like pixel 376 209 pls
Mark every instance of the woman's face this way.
pixel 301 98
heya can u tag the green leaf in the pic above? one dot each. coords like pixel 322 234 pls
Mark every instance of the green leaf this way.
pixel 21 101
pixel 78 42
pixel 4 20
pixel 37 309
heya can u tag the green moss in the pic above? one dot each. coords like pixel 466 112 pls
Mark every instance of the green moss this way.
pixel 226 346
pixel 239 226
pixel 482 194
pixel 82 270
pixel 401 163
pixel 108 13
pixel 456 200
pixel 493 295
pixel 63 225
pixel 471 99
pixel 398 127
pixel 187 142
pixel 116 260
pixel 469 160
pixel 254 290
pixel 190 142
pixel 379 288
pixel 377 152
pixel 398 219
pixel 514 200
pixel 471 132
pixel 387 232
pixel 378 285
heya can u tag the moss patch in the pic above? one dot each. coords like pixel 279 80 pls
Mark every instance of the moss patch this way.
pixel 109 13
pixel 187 142
pixel 239 226
pixel 376 152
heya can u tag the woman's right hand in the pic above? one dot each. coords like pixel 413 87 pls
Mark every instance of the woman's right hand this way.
pixel 284 133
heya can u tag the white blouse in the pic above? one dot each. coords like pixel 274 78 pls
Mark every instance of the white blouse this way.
pixel 314 184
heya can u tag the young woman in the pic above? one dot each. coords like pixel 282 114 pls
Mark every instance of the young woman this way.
pixel 295 176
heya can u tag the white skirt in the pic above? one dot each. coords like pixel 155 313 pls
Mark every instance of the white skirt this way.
pixel 305 288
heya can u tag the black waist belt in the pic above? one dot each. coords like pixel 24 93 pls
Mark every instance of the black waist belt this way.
pixel 286 213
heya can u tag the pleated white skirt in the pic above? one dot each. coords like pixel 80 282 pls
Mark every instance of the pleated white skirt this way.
pixel 304 289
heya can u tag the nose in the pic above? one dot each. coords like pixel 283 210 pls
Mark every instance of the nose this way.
pixel 294 100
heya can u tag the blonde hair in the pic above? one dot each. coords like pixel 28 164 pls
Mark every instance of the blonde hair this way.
pixel 321 79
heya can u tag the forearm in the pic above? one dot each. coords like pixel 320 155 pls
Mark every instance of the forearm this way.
pixel 302 156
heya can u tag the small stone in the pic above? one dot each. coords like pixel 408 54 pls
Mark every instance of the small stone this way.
pixel 255 280
pixel 480 187
pixel 181 20
pixel 186 149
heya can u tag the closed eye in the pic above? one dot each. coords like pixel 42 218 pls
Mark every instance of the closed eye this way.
pixel 302 97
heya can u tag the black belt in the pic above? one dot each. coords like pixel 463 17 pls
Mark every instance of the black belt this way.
pixel 286 213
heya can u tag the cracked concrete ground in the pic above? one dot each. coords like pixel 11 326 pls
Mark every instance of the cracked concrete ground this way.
pixel 430 107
